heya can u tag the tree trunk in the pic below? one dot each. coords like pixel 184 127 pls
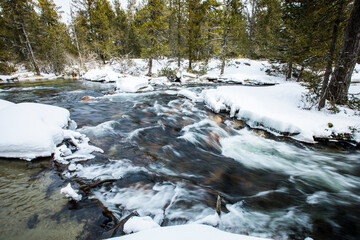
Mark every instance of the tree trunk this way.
pixel 324 88
pixel 150 67
pixel 77 43
pixel 28 45
pixel 340 80
pixel 178 51
pixel 290 66
pixel 224 46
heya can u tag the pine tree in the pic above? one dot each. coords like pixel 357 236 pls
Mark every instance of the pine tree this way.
pixel 350 48
pixel 52 36
pixel 21 17
pixel 233 30
pixel 101 16
pixel 331 54
pixel 176 23
pixel 153 31
pixel 7 52
pixel 194 42
pixel 120 28
pixel 80 27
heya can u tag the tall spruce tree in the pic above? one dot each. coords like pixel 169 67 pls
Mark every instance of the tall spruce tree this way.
pixel 120 28
pixel 101 16
pixel 153 32
pixel 21 18
pixel 52 36
pixel 331 54
pixel 233 30
pixel 176 23
pixel 194 42
pixel 344 67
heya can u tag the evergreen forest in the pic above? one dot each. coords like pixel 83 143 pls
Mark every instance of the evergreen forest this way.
pixel 307 37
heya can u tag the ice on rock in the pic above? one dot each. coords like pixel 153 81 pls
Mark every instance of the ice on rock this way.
pixel 71 193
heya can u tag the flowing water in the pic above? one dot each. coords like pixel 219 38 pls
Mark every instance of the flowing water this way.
pixel 170 158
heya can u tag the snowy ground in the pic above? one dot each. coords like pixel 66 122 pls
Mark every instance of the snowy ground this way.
pixel 242 71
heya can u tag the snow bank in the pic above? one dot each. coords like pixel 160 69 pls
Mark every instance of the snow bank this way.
pixel 71 193
pixel 102 75
pixel 131 84
pixel 137 224
pixel 182 232
pixel 28 76
pixel 31 130
pixel 277 108
pixel 244 71
pixel 160 81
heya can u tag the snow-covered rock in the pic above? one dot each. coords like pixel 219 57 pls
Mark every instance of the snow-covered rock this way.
pixel 131 84
pixel 188 231
pixel 71 193
pixel 190 95
pixel 31 130
pixel 102 75
pixel 160 81
pixel 137 224
pixel 277 108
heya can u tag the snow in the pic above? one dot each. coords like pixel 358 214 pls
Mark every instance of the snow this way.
pixel 188 231
pixel 277 108
pixel 160 81
pixel 102 75
pixel 137 224
pixel 71 193
pixel 131 84
pixel 189 94
pixel 31 130
pixel 356 74
pixel 244 71
pixel 4 104
pixel 22 74
pixel 212 220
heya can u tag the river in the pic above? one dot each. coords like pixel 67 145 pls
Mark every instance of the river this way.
pixel 170 158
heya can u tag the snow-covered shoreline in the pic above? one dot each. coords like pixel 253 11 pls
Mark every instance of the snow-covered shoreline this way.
pixel 279 108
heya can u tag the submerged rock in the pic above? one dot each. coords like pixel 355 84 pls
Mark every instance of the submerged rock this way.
pixel 88 98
